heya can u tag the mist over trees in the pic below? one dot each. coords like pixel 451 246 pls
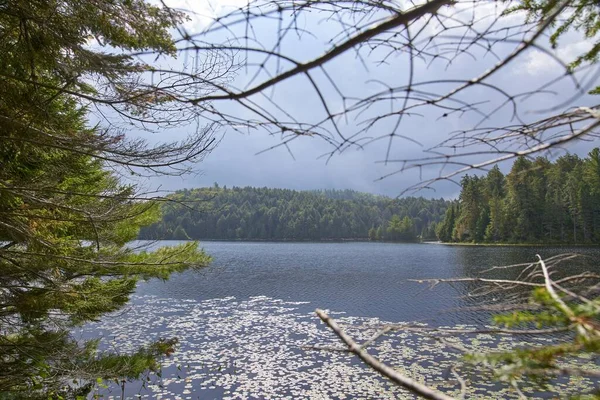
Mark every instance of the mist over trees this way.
pixel 539 201
pixel 283 214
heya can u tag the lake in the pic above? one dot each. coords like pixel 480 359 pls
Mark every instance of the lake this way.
pixel 247 326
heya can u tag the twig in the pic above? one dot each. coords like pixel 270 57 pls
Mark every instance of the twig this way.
pixel 376 336
pixel 548 284
pixel 518 390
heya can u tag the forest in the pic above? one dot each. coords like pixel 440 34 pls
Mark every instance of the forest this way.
pixel 538 201
pixel 282 214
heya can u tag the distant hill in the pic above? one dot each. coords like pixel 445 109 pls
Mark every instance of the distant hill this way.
pixel 281 214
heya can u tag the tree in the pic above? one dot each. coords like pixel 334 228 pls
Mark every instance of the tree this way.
pixel 401 229
pixel 591 179
pixel 66 215
pixel 372 234
pixel 445 228
pixel 468 225
pixel 495 193
pixel 540 201
pixel 379 233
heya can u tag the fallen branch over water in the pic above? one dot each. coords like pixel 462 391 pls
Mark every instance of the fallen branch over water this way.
pixel 383 369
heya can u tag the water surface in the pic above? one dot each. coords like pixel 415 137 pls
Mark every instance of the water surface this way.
pixel 247 325
pixel 362 279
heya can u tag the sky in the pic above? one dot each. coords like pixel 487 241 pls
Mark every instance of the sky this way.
pixel 240 159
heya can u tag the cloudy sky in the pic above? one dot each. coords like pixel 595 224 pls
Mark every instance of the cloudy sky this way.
pixel 239 161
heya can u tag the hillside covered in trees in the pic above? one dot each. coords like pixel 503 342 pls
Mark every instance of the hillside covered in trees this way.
pixel 282 214
pixel 538 201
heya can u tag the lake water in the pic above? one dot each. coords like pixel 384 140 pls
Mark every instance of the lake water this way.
pixel 248 330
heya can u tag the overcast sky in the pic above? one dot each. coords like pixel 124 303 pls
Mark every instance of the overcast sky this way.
pixel 235 161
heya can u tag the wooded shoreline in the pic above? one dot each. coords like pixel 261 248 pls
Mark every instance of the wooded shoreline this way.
pixel 366 240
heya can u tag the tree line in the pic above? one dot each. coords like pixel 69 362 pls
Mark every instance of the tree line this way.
pixel 538 201
pixel 281 214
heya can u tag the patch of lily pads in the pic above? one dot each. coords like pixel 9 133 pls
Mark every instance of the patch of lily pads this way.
pixel 261 348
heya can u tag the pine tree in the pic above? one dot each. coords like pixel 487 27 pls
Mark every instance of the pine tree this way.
pixel 66 218
pixel 495 193
pixel 539 201
pixel 591 179
pixel 445 229
pixel 472 202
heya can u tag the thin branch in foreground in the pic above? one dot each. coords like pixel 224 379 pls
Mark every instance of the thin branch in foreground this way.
pixel 404 381
pixel 461 381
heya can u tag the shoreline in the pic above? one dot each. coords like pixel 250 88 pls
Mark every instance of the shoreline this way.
pixel 357 240
pixel 365 240
pixel 516 244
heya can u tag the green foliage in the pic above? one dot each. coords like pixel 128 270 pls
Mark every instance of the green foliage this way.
pixel 373 234
pixel 581 16
pixel 401 229
pixel 65 217
pixel 539 364
pixel 281 214
pixel 537 202
pixel 445 228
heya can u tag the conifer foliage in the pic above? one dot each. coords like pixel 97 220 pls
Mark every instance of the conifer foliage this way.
pixel 537 202
pixel 65 216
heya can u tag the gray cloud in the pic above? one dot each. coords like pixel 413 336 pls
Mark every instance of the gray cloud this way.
pixel 236 162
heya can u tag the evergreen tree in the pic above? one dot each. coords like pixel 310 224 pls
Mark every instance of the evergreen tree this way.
pixel 467 226
pixel 539 201
pixel 495 193
pixel 372 234
pixel 591 199
pixel 520 200
pixel 66 218
pixel 379 234
pixel 445 228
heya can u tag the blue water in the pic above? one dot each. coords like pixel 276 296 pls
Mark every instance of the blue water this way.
pixel 362 279
pixel 246 323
